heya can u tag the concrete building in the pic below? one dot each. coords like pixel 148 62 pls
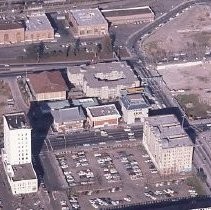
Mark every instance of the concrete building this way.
pixel 69 119
pixel 38 28
pixel 129 15
pixel 88 23
pixel 47 85
pixel 103 80
pixel 168 145
pixel 101 116
pixel 16 154
pixel 135 106
pixel 11 33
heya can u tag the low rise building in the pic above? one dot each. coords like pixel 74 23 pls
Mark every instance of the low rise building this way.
pixel 47 85
pixel 16 154
pixel 103 80
pixel 38 28
pixel 104 115
pixel 69 119
pixel 87 23
pixel 47 106
pixel 85 102
pixel 167 144
pixel 135 106
pixel 129 15
pixel 11 33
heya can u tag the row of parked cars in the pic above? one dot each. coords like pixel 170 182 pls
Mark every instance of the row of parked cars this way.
pixel 65 169
pixel 149 162
pixel 80 159
pixel 109 169
pixel 86 176
pixel 131 165
pixel 158 193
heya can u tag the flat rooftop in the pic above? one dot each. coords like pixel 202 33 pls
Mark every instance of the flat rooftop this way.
pixel 169 131
pixel 68 115
pixel 23 172
pixel 85 102
pixel 47 82
pixel 16 120
pixel 104 110
pixel 10 25
pixel 135 101
pixel 38 22
pixel 86 17
pixel 106 74
pixel 52 105
pixel 127 11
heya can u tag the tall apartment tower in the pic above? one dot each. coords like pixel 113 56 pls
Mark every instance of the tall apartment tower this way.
pixel 16 154
pixel 168 145
pixel 17 139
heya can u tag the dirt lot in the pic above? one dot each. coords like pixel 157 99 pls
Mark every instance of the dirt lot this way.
pixel 189 32
pixel 146 186
pixel 192 87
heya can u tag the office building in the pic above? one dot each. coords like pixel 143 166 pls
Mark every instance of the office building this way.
pixel 104 115
pixel 167 144
pixel 16 154
pixel 103 80
pixel 134 106
pixel 68 119
pixel 88 23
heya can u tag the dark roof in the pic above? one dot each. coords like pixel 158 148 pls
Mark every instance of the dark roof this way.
pixel 46 82
pixel 68 114
pixel 135 101
pixel 10 25
pixel 125 12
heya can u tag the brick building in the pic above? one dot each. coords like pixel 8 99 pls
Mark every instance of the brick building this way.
pixel 38 28
pixel 129 15
pixel 88 23
pixel 104 115
pixel 11 33
pixel 46 86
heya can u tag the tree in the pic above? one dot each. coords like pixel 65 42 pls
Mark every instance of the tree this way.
pixel 107 44
pixel 40 49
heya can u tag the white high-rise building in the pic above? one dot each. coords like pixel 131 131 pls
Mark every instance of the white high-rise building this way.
pixel 168 145
pixel 16 155
pixel 17 139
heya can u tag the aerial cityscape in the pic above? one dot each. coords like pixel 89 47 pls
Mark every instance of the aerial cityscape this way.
pixel 105 104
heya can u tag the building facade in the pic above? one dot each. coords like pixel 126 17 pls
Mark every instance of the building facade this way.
pixel 16 154
pixel 87 23
pixel 38 28
pixel 101 116
pixel 11 33
pixel 69 119
pixel 129 15
pixel 167 144
pixel 103 80
pixel 134 107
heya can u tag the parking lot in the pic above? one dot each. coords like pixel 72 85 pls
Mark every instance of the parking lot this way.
pixel 104 178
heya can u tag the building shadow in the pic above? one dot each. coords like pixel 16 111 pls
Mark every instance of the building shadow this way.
pixel 40 124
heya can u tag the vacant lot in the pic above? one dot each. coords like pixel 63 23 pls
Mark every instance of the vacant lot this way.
pixel 188 32
pixel 192 87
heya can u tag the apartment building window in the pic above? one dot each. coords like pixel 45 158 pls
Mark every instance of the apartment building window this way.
pixel 82 32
